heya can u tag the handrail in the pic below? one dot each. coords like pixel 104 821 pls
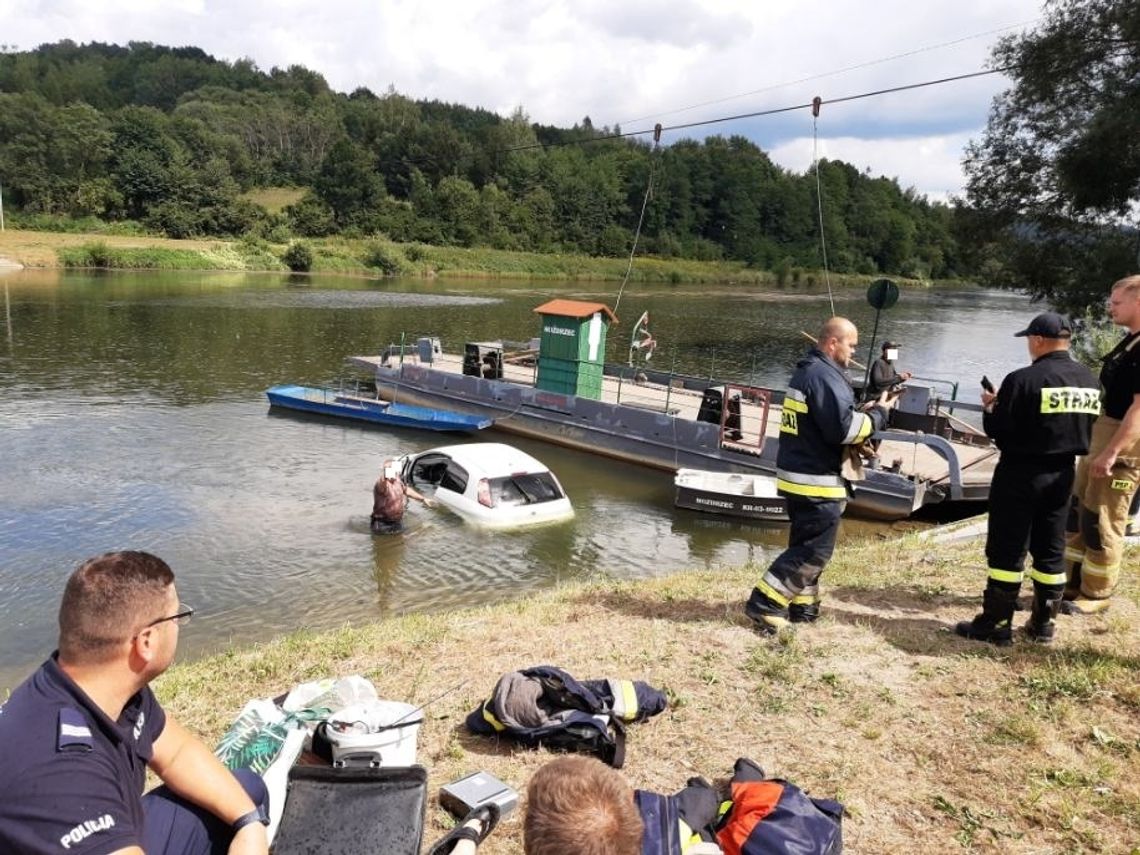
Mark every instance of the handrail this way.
pixel 940 446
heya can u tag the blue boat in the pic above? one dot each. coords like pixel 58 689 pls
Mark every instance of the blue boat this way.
pixel 330 402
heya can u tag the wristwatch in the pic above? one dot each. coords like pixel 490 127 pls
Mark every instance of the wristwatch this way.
pixel 255 815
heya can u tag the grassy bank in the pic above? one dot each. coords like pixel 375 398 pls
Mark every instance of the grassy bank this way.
pixel 932 742
pixel 375 257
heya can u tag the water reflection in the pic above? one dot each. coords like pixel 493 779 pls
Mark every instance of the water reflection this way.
pixel 133 415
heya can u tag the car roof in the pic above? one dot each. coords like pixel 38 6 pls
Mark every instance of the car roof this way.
pixel 493 458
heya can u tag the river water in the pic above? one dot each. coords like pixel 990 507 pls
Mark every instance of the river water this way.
pixel 133 415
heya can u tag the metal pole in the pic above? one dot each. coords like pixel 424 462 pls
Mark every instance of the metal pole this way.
pixel 871 352
pixel 8 314
pixel 669 388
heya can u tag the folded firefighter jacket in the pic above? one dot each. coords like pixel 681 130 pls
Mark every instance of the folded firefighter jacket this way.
pixel 545 705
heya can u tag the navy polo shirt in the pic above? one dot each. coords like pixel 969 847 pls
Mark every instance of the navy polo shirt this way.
pixel 71 780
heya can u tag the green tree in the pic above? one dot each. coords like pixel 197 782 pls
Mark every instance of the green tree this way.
pixel 1056 175
pixel 349 185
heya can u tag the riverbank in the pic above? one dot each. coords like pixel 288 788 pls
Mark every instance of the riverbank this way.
pixel 932 742
pixel 375 257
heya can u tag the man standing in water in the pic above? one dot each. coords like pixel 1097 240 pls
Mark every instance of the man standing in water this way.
pixel 77 737
pixel 818 423
pixel 390 500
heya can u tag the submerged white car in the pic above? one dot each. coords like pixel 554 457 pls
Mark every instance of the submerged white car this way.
pixel 489 484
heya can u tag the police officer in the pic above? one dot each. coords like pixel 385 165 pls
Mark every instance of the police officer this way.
pixel 1041 419
pixel 1107 479
pixel 77 737
pixel 818 422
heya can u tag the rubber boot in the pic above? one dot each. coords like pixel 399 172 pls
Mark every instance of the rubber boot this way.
pixel 995 623
pixel 767 616
pixel 803 612
pixel 1042 624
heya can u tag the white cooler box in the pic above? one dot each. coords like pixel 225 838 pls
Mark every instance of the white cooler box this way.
pixel 374 733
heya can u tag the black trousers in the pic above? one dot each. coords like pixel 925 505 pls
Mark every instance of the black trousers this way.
pixel 794 575
pixel 1029 501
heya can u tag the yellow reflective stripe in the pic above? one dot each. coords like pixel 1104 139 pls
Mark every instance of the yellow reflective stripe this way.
pixel 688 837
pixel 628 700
pixel 1073 554
pixel 724 808
pixel 1091 568
pixel 1070 399
pixel 859 429
pixel 1014 576
pixel 489 717
pixel 805 599
pixel 772 594
pixel 865 430
pixel 798 406
pixel 811 490
pixel 1048 578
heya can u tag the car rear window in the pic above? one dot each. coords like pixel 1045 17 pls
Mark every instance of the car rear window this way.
pixel 525 489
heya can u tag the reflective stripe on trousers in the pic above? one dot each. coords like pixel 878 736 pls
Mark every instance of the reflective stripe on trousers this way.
pixel 1098 517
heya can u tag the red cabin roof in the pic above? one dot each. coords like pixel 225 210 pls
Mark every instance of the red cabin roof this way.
pixel 574 309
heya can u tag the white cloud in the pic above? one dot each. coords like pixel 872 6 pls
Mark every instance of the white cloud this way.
pixel 614 61
pixel 932 165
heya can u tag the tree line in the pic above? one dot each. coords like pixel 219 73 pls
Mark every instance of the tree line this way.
pixel 171 138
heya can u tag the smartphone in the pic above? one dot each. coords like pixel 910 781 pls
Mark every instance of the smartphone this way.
pixel 987 385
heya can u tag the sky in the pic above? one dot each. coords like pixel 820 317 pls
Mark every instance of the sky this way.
pixel 631 63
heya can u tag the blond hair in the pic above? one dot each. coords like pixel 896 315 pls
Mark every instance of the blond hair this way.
pixel 579 805
pixel 1131 284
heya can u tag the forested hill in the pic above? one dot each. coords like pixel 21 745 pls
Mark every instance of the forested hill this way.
pixel 171 138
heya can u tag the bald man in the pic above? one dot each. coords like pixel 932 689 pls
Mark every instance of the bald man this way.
pixel 819 419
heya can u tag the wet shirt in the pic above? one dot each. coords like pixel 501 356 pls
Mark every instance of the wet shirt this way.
pixel 72 779
pixel 1120 376
pixel 388 500
pixel 1045 409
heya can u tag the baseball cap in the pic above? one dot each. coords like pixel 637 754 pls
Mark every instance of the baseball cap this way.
pixel 1048 325
pixel 889 343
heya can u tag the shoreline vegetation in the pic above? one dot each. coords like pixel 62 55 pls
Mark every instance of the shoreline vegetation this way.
pixel 931 742
pixel 378 257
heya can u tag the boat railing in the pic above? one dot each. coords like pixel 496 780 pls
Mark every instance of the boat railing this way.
pixel 939 446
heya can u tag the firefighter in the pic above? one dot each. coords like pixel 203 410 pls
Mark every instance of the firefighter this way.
pixel 1107 479
pixel 819 420
pixel 1041 419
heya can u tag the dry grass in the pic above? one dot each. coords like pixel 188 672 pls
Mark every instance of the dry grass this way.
pixel 38 249
pixel 930 741
pixel 275 199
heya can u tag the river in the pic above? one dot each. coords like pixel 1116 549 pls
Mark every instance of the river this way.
pixel 133 415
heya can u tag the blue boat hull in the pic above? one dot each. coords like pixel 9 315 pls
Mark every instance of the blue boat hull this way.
pixel 327 402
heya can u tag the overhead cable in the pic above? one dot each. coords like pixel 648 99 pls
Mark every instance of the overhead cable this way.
pixel 820 76
pixel 759 113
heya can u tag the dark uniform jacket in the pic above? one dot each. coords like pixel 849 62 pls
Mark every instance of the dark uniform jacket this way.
pixel 819 418
pixel 71 780
pixel 1045 409
pixel 1120 376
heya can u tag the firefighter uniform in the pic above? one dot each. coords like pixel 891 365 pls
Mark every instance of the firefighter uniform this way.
pixel 1041 421
pixel 819 421
pixel 1100 506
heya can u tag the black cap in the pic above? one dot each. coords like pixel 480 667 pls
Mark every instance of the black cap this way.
pixel 890 343
pixel 1048 325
